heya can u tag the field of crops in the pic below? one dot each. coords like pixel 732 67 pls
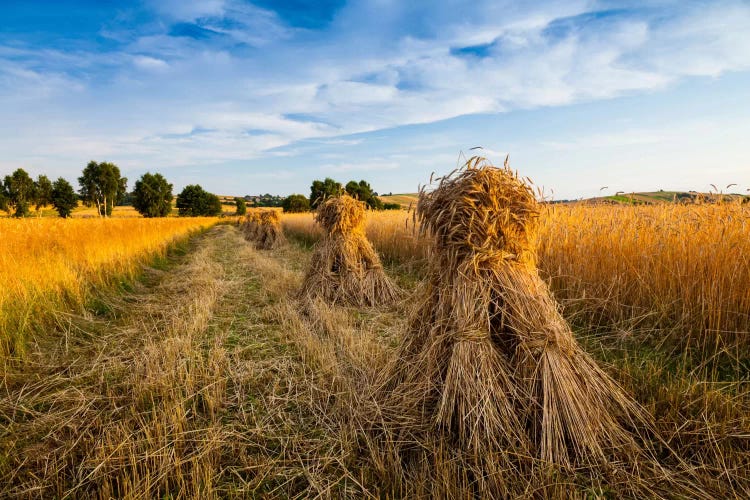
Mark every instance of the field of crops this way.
pixel 49 265
pixel 680 269
pixel 224 375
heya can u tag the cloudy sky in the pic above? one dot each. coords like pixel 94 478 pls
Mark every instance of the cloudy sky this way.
pixel 250 97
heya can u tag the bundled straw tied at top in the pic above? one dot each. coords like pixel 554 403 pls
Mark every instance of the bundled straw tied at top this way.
pixel 345 268
pixel 269 234
pixel 250 223
pixel 489 371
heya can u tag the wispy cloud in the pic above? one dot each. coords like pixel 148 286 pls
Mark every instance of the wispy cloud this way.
pixel 230 67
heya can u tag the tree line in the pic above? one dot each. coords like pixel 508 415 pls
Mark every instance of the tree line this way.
pixel 101 185
pixel 320 190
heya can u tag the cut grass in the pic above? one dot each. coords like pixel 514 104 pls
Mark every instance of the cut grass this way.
pixel 205 381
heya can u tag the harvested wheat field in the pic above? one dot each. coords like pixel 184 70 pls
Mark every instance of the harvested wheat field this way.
pixel 270 250
pixel 521 364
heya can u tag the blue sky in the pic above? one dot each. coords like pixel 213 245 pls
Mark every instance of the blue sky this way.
pixel 248 97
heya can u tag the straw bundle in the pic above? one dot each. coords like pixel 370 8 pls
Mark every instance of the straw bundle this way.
pixel 268 233
pixel 249 225
pixel 345 269
pixel 490 370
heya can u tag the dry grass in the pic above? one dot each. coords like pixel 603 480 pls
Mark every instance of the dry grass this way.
pixel 264 228
pixel 207 378
pixel 344 268
pixel 48 266
pixel 657 295
pixel 676 269
pixel 208 381
pixel 488 367
pixel 126 408
pixel 269 234
pixel 679 270
pixel 205 382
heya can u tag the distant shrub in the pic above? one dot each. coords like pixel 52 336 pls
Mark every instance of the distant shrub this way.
pixel 296 203
pixel 152 196
pixel 363 192
pixel 241 206
pixel 391 206
pixel 195 201
pixel 64 198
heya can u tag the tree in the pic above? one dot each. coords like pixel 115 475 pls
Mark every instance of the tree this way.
pixel 64 198
pixel 20 191
pixel 213 205
pixel 152 195
pixel 190 200
pixel 103 186
pixel 195 201
pixel 363 192
pixel 43 192
pixel 320 190
pixel 241 206
pixel 296 203
pixel 3 198
pixel 391 206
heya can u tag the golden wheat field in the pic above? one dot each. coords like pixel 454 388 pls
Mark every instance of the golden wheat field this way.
pixel 49 264
pixel 213 376
pixel 679 268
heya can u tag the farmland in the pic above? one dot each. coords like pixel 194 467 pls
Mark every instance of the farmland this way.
pixel 203 376
pixel 680 269
pixel 49 266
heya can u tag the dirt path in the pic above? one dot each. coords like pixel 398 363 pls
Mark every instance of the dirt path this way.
pixel 204 382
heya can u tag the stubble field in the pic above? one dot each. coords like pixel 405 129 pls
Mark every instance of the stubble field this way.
pixel 201 376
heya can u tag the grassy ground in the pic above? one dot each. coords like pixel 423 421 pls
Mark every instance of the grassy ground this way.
pixel 192 385
pixel 209 380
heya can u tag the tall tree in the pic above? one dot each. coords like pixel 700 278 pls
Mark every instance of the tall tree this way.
pixel 64 198
pixel 194 201
pixel 320 190
pixel 241 206
pixel 20 191
pixel 363 192
pixel 43 192
pixel 3 197
pixel 152 196
pixel 102 186
pixel 296 203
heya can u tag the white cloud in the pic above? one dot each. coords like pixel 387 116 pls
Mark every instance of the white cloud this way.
pixel 261 84
pixel 150 63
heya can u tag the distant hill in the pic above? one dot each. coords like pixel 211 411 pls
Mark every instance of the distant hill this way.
pixel 402 199
pixel 639 198
pixel 657 197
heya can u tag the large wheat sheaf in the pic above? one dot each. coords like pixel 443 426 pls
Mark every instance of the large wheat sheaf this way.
pixel 490 383
pixel 269 233
pixel 264 228
pixel 345 269
pixel 249 225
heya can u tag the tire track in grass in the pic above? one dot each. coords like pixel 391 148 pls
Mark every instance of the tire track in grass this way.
pixel 204 382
